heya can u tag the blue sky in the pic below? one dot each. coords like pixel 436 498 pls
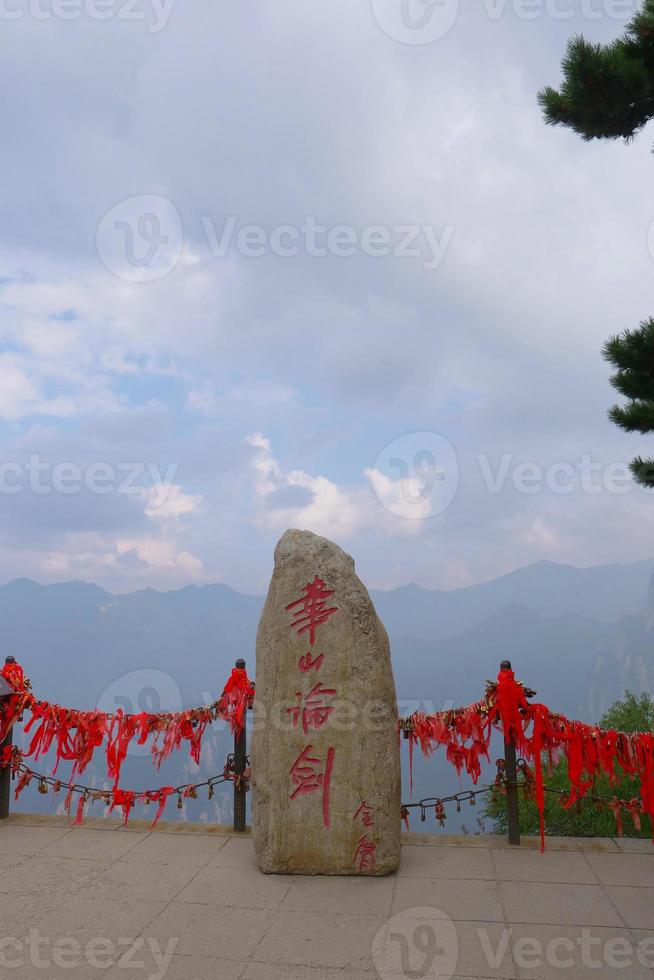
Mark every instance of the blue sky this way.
pixel 441 413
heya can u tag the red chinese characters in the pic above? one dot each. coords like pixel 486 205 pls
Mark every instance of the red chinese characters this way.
pixel 307 663
pixel 366 855
pixel 310 774
pixel 311 609
pixel 310 709
pixel 313 775
pixel 365 814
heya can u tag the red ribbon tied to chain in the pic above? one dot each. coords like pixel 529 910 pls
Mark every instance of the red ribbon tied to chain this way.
pixel 536 732
pixel 74 735
pixel 236 698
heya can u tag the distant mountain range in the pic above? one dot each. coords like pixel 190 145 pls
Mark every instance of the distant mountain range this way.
pixel 579 636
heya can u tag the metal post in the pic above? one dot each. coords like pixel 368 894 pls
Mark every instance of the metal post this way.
pixel 5 773
pixel 511 774
pixel 240 752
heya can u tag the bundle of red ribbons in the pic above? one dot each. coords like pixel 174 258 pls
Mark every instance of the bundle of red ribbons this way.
pixel 537 733
pixel 464 732
pixel 75 735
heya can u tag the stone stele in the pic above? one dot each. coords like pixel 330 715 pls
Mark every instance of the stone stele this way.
pixel 325 751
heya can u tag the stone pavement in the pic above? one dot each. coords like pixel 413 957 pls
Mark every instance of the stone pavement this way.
pixel 186 901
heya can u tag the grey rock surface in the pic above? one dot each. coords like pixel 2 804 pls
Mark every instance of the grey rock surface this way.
pixel 325 751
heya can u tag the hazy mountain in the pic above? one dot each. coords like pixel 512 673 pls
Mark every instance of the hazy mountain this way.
pixel 561 626
pixel 604 593
pixel 579 636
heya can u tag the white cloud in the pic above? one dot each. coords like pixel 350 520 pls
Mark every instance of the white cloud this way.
pixel 160 554
pixel 401 497
pixel 326 507
pixel 167 502
pixel 139 559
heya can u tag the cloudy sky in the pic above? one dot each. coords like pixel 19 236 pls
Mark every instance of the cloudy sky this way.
pixel 310 264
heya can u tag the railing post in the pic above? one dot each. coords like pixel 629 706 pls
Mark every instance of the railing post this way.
pixel 5 772
pixel 511 775
pixel 240 752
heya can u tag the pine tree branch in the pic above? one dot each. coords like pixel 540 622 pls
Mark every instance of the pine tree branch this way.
pixel 643 471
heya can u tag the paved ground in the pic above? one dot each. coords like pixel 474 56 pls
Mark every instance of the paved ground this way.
pixel 188 902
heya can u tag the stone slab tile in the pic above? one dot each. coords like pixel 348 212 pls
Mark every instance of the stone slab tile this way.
pixel 95 845
pixel 545 952
pixel 8 861
pixel 80 971
pixel 182 968
pixel 634 845
pixel 238 852
pixel 567 867
pixel 62 820
pixel 484 950
pixel 90 917
pixel 459 898
pixel 211 931
pixel 644 938
pixel 446 862
pixel 29 839
pixel 319 940
pixel 342 896
pixel 624 869
pixel 452 840
pixel 266 971
pixel 567 843
pixel 21 913
pixel 129 881
pixel 236 887
pixel 558 904
pixel 172 849
pixel 52 877
pixel 178 828
pixel 635 905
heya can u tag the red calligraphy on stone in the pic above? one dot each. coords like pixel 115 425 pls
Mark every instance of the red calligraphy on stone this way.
pixel 308 777
pixel 365 814
pixel 307 663
pixel 366 854
pixel 310 709
pixel 311 609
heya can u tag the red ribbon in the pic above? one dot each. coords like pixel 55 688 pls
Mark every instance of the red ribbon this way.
pixel 235 699
pixel 535 730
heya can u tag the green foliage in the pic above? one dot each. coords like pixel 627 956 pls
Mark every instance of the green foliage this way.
pixel 608 89
pixel 630 714
pixel 632 354
pixel 607 93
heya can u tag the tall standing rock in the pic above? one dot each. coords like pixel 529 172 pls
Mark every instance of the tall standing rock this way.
pixel 325 751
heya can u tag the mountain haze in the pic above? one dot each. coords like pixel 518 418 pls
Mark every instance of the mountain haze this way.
pixel 579 636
